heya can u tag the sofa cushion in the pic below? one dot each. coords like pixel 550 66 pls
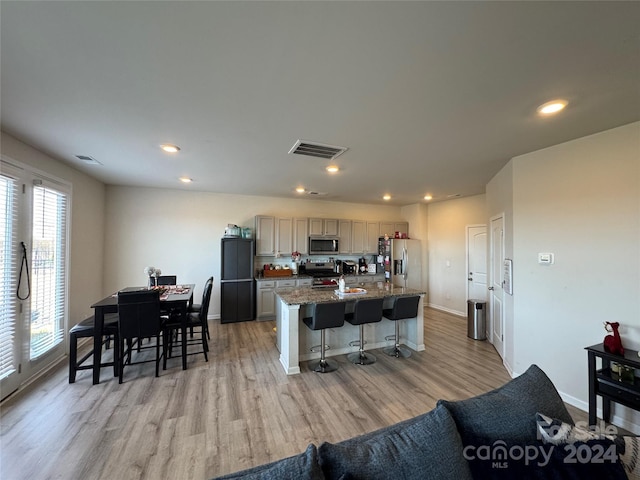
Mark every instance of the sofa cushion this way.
pixel 427 446
pixel 508 413
pixel 299 467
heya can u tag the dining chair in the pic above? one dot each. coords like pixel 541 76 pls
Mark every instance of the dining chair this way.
pixel 195 320
pixel 138 318
pixel 163 280
pixel 195 307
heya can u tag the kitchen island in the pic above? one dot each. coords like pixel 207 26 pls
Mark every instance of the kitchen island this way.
pixel 295 341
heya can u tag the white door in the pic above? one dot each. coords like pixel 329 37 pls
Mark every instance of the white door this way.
pixel 496 293
pixel 477 262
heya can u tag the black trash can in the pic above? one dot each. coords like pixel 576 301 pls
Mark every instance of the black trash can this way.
pixel 476 319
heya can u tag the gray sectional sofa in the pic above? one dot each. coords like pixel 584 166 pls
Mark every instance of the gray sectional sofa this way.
pixel 493 435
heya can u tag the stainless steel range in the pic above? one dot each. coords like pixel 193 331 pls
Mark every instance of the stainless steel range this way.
pixel 323 273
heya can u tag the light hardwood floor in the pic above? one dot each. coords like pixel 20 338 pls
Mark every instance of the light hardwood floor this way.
pixel 236 411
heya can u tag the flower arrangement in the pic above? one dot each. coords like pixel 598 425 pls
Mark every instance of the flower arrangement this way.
pixel 295 256
pixel 153 272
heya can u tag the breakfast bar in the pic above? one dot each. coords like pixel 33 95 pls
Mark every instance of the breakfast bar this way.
pixel 295 341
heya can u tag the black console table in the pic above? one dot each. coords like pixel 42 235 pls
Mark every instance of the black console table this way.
pixel 608 385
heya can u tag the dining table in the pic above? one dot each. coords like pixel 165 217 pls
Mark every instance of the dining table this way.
pixel 176 298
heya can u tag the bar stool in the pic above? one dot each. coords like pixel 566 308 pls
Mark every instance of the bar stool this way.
pixel 403 308
pixel 325 315
pixel 364 311
pixel 85 329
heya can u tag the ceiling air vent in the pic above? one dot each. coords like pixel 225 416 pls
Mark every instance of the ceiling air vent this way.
pixel 320 150
pixel 88 160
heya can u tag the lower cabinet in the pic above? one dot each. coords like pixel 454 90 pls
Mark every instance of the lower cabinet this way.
pixel 266 297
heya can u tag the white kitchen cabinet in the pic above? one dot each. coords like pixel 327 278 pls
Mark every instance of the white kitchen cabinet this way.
pixel 402 227
pixel 358 236
pixel 265 299
pixel 300 235
pixel 390 228
pixel 274 236
pixel 323 227
pixel 265 235
pixel 304 282
pixel 373 233
pixel 284 237
pixel 344 234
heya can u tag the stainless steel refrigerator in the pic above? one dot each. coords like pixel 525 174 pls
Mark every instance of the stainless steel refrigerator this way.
pixel 401 261
pixel 237 288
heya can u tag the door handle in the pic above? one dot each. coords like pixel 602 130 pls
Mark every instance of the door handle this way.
pixel 470 279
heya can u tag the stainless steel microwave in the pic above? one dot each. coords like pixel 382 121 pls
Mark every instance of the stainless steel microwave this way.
pixel 323 245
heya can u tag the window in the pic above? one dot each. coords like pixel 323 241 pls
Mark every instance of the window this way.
pixel 48 270
pixel 8 273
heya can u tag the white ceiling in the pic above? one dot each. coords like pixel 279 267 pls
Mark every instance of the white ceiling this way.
pixel 429 97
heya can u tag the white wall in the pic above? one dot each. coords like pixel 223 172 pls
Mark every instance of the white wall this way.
pixel 580 201
pixel 87 225
pixel 447 282
pixel 179 231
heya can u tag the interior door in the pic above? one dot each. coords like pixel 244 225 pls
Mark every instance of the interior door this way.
pixel 477 262
pixel 496 293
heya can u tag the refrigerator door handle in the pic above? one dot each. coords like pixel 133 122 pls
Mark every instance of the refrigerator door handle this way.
pixel 405 259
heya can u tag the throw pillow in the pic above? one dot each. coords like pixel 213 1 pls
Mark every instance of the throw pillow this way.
pixel 508 413
pixel 300 467
pixel 556 432
pixel 427 447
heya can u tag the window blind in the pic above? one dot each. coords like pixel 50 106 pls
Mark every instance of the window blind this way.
pixel 48 269
pixel 9 250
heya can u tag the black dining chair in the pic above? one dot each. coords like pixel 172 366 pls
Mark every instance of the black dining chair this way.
pixel 195 307
pixel 163 280
pixel 138 318
pixel 195 321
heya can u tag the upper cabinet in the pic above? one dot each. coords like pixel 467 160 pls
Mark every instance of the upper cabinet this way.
pixel 284 236
pixel 265 235
pixel 390 228
pixel 280 236
pixel 323 226
pixel 300 235
pixel 275 236
pixel 358 236
pixel 373 233
pixel 344 233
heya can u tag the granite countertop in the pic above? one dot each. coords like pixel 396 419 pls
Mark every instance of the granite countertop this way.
pixel 308 295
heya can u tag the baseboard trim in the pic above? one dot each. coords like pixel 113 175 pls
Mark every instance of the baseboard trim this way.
pixel 448 310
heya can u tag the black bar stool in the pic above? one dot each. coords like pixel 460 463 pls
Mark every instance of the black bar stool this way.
pixel 325 315
pixel 364 311
pixel 403 308
pixel 85 329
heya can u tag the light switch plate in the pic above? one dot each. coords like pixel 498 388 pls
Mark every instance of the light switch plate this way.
pixel 545 258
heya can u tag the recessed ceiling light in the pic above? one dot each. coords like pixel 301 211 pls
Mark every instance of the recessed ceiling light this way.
pixel 428 197
pixel 170 148
pixel 186 180
pixel 300 189
pixel 333 169
pixel 386 197
pixel 554 106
